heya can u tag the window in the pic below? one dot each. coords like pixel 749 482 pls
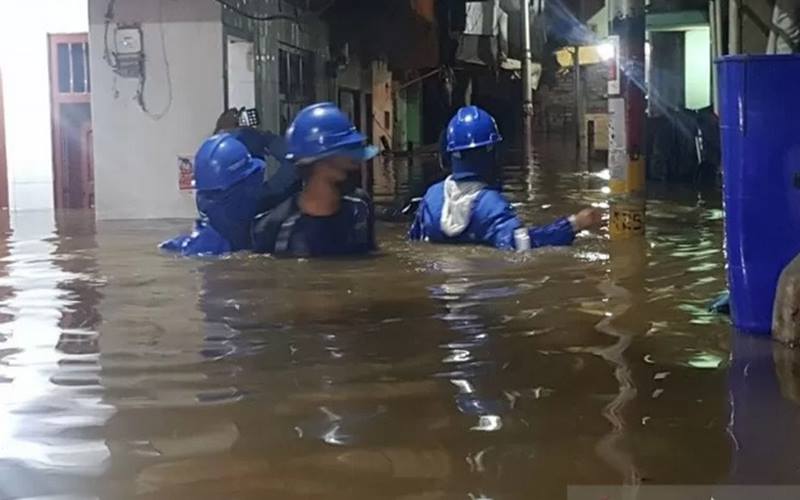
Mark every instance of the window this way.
pixel 73 68
pixel 283 72
pixel 296 75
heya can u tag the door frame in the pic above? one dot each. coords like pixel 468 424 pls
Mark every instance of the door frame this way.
pixel 56 100
pixel 4 194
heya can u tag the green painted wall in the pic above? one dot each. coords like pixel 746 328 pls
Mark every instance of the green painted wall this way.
pixel 698 68
pixel 408 117
pixel 414 114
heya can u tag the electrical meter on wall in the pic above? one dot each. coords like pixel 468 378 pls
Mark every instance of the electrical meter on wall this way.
pixel 129 51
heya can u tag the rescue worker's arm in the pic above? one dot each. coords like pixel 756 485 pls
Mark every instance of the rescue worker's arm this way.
pixel 562 232
pixel 496 220
pixel 504 225
pixel 280 187
pixel 204 241
pixel 558 234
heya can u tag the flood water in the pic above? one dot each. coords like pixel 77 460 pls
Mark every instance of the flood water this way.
pixel 421 373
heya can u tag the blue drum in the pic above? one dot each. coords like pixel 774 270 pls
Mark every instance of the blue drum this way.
pixel 760 127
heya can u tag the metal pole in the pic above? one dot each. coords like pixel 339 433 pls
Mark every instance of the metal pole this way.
pixel 627 123
pixel 576 68
pixel 718 21
pixel 527 86
pixel 734 24
pixel 580 112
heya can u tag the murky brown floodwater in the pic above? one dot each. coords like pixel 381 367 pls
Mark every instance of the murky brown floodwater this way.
pixel 422 373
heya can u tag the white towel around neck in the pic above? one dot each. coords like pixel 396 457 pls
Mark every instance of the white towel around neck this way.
pixel 459 197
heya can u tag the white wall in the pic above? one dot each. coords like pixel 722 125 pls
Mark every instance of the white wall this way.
pixel 698 68
pixel 24 26
pixel 136 173
pixel 599 22
pixel 241 74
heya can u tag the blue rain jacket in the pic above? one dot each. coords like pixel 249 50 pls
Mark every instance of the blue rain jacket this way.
pixel 477 214
pixel 226 217
pixel 204 241
pixel 286 180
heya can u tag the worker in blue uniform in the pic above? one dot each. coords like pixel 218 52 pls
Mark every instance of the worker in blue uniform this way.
pixel 230 193
pixel 468 206
pixel 264 145
pixel 325 218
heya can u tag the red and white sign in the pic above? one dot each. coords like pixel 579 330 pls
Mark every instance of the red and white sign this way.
pixel 186 173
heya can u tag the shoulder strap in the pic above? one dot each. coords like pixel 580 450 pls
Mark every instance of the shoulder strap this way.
pixel 269 228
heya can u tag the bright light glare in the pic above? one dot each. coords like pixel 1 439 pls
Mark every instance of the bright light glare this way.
pixel 606 51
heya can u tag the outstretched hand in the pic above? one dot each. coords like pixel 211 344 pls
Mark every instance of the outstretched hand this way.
pixel 588 218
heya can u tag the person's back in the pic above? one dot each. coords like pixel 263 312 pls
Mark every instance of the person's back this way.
pixel 468 208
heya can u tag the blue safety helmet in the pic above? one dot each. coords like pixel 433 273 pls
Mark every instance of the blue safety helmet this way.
pixel 323 130
pixel 223 161
pixel 472 128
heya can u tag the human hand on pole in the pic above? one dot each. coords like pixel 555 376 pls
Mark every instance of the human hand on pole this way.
pixel 588 218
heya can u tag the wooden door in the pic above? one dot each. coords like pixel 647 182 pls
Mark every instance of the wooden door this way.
pixel 70 94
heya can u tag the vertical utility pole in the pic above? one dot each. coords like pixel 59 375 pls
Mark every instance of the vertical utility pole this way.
pixel 713 28
pixel 580 101
pixel 527 86
pixel 580 130
pixel 626 159
pixel 734 27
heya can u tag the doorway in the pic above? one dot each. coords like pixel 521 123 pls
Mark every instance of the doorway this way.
pixel 71 121
pixel 240 73
pixel 350 103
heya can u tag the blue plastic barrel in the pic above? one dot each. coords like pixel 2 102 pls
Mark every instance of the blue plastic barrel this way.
pixel 760 126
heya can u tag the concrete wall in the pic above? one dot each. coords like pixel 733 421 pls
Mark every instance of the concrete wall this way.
pixel 355 77
pixel 598 23
pixel 24 26
pixel 556 103
pixel 268 38
pixel 241 73
pixel 382 103
pixel 754 41
pixel 667 72
pixel 136 154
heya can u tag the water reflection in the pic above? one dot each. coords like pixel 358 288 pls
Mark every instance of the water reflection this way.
pixel 764 410
pixel 467 361
pixel 51 398
pixel 424 372
pixel 624 292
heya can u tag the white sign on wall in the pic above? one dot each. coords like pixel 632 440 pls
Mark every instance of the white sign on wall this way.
pixel 186 173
